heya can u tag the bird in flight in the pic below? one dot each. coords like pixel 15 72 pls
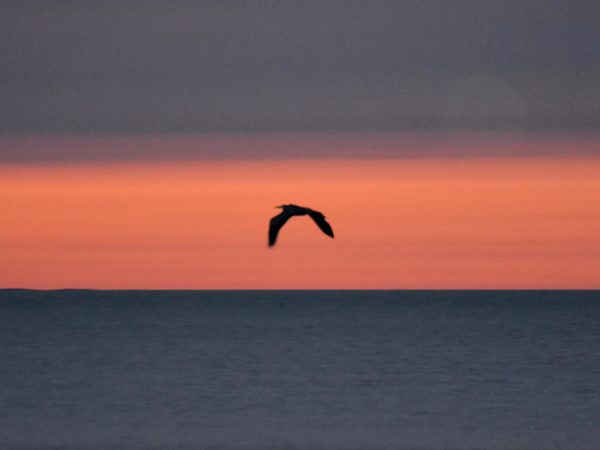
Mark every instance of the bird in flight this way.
pixel 292 210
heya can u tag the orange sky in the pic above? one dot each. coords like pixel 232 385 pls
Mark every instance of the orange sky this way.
pixel 462 223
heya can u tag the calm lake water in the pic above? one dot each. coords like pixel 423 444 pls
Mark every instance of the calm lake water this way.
pixel 299 369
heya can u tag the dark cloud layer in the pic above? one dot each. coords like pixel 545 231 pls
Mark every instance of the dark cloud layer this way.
pixel 133 67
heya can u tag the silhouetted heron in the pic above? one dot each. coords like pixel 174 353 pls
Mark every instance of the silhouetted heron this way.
pixel 292 210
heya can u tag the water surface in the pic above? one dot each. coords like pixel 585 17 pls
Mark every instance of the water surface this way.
pixel 300 369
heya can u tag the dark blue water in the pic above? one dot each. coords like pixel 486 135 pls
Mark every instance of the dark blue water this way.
pixel 300 370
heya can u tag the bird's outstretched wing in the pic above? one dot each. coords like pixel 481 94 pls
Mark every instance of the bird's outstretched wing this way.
pixel 275 225
pixel 320 221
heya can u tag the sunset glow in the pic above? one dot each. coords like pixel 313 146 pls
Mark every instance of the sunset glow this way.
pixel 461 223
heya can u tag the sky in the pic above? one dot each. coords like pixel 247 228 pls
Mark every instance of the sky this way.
pixel 179 67
pixel 450 144
pixel 412 224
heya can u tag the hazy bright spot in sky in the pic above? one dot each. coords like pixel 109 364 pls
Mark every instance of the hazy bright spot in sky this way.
pixel 453 223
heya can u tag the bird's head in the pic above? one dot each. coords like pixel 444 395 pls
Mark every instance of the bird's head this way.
pixel 281 206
